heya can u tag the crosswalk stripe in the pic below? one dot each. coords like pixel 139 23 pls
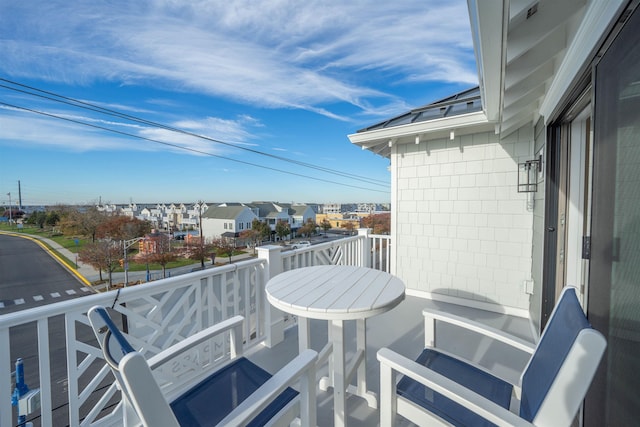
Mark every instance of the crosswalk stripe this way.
pixel 85 289
pixel 19 301
pixel 1 305
pixel 55 295
pixel 38 297
pixel 70 291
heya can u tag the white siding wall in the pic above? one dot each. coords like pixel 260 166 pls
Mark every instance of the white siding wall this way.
pixel 212 228
pixel 462 228
pixel 245 218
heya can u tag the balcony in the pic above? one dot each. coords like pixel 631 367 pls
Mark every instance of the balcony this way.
pixel 76 387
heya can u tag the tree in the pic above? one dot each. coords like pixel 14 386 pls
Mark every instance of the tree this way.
pixel 52 219
pixel 38 218
pixel 309 228
pixel 349 226
pixel 325 225
pixel 83 223
pixel 252 237
pixel 223 247
pixel 283 229
pixel 257 233
pixel 102 255
pixel 122 227
pixel 379 223
pixel 163 253
pixel 199 249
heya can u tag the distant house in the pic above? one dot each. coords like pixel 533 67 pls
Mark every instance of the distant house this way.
pixel 130 211
pixel 271 213
pixel 299 214
pixel 226 221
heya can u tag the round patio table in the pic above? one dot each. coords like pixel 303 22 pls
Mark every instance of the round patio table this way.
pixel 337 293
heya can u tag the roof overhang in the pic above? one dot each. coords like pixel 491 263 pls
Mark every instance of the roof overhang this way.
pixel 488 29
pixel 380 141
pixel 530 53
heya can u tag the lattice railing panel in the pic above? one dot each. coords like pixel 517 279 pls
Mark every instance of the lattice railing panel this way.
pixel 153 321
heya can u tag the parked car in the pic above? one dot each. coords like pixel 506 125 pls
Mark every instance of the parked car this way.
pixel 301 244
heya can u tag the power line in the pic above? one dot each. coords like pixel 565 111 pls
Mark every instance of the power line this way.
pixel 181 147
pixel 52 96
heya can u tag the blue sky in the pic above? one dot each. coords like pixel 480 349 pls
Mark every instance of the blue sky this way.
pixel 267 78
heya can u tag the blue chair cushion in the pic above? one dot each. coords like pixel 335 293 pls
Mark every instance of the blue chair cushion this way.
pixel 563 328
pixel 215 397
pixel 464 374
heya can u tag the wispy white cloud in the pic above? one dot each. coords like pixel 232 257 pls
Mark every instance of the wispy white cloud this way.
pixel 86 133
pixel 275 54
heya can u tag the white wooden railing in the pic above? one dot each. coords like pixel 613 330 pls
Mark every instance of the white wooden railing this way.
pixel 155 315
pixel 367 250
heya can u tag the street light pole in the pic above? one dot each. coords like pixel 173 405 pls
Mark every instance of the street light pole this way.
pixel 126 244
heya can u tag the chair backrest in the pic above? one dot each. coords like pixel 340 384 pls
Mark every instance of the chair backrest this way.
pixel 132 372
pixel 560 371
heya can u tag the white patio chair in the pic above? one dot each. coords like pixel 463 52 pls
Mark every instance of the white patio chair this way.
pixel 441 389
pixel 238 393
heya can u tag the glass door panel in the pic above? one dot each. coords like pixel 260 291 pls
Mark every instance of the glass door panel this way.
pixel 614 282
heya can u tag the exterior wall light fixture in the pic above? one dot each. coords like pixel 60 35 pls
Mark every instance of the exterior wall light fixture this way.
pixel 528 175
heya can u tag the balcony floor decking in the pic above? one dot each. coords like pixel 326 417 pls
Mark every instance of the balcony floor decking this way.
pixel 402 330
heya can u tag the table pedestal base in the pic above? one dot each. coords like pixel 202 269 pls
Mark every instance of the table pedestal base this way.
pixel 341 375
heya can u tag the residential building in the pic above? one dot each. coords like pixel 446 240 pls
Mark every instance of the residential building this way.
pixel 226 221
pixel 299 214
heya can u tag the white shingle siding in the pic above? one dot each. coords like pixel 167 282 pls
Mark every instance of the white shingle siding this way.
pixel 462 228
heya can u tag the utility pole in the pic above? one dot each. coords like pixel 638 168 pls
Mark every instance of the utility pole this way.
pixel 19 196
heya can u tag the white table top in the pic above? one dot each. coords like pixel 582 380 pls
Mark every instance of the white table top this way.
pixel 331 292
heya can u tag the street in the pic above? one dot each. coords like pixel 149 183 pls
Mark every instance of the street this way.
pixel 29 277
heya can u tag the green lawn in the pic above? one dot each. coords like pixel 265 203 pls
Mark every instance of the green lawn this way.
pixel 71 243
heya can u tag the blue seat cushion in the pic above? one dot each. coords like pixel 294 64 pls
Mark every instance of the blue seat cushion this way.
pixel 492 388
pixel 215 397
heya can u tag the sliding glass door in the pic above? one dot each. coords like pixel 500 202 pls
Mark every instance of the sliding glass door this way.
pixel 614 275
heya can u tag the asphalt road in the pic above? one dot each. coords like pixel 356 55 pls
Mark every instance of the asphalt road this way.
pixel 30 277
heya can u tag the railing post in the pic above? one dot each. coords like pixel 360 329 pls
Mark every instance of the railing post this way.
pixel 365 259
pixel 274 318
pixel 6 411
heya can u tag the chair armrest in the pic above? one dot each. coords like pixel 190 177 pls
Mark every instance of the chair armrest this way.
pixel 234 324
pixel 432 315
pixel 448 388
pixel 303 364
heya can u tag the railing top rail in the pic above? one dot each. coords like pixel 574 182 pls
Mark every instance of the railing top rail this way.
pixel 107 298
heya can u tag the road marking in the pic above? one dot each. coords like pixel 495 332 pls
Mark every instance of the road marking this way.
pixel 55 295
pixel 1 305
pixel 85 289
pixel 38 297
pixel 19 301
pixel 70 292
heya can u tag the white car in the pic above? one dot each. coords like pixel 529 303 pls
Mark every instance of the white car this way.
pixel 301 244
